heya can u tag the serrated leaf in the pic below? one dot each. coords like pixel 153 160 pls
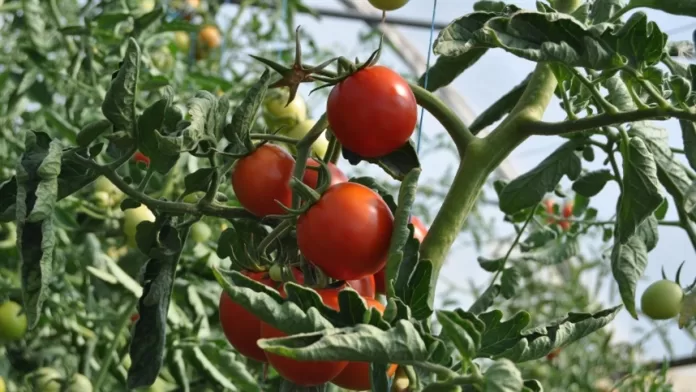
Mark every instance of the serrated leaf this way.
pixel 199 130
pixel 34 22
pixel 592 183
pixel 92 131
pixel 499 108
pixel 485 300
pixel 502 376
pixel 149 335
pixel 240 243
pixel 245 114
pixel 447 69
pixel 529 189
pixel 231 368
pixel 509 282
pixel 119 102
pixel 674 7
pixel 641 195
pixel 459 331
pixel 151 125
pixel 211 370
pixel 396 164
pixel 604 10
pixel 199 180
pixel 629 259
pixel 491 265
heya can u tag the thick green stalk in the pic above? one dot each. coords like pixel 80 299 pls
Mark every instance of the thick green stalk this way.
pixel 480 158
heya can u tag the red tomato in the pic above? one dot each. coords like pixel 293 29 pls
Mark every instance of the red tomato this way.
pixel 242 328
pixel 347 232
pixel 261 178
pixel 304 373
pixel 140 157
pixel 419 233
pixel 549 204
pixel 553 354
pixel 364 286
pixel 311 177
pixel 568 209
pixel 356 375
pixel 135 317
pixel 565 225
pixel 373 112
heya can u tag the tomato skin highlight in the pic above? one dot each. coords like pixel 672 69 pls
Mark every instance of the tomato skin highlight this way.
pixel 242 329
pixel 662 300
pixel 261 178
pixel 311 177
pixel 347 232
pixel 382 115
pixel 356 376
pixel 365 286
pixel 304 373
pixel 419 233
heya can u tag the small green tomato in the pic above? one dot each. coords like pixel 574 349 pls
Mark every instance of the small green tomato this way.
pixel 182 41
pixel 46 379
pixel 388 5
pixel 276 114
pixel 79 383
pixel 276 273
pixel 200 232
pixel 102 199
pixel 13 323
pixel 662 300
pixel 133 217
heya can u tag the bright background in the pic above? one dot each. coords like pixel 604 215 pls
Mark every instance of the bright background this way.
pixel 486 81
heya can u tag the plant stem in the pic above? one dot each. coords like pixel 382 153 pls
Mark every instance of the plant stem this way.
pixel 512 247
pixel 275 138
pixel 458 131
pixel 601 101
pixel 123 322
pixel 303 148
pixel 605 119
pixel 686 224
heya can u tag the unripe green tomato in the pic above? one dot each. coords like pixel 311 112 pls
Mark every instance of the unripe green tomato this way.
pixel 163 60
pixel 662 300
pixel 3 388
pixel 79 383
pixel 13 324
pixel 8 235
pixel 102 199
pixel 276 273
pixel 388 5
pixel 132 217
pixel 102 184
pixel 46 379
pixel 200 232
pixel 276 114
pixel 147 5
pixel 182 41
pixel 158 386
pixel 319 147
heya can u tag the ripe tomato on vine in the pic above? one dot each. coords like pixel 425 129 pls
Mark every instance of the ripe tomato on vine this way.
pixel 382 115
pixel 311 177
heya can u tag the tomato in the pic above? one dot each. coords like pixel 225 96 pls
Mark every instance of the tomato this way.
pixel 147 5
pixel 401 381
pixel 103 184
pixel 388 5
pixel 79 383
pixel 261 178
pixel 319 147
pixel 553 354
pixel 133 217
pixel 13 323
pixel 242 328
pixel 209 37
pixel 3 387
pixel 365 286
pixel 373 112
pixel 662 300
pixel 46 379
pixel 135 317
pixel 568 209
pixel 200 232
pixel 182 41
pixel 140 157
pixel 275 113
pixel 565 225
pixel 102 199
pixel 356 376
pixel 419 233
pixel 347 232
pixel 311 177
pixel 163 60
pixel 304 373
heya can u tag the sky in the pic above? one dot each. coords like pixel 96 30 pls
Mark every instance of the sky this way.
pixel 481 85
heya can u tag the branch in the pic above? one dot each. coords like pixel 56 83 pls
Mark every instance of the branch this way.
pixel 603 120
pixel 458 131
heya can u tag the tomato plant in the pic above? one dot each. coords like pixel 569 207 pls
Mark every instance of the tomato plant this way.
pixel 662 300
pixel 13 323
pixel 383 123
pixel 361 225
pixel 278 112
pixel 261 178
pixel 311 177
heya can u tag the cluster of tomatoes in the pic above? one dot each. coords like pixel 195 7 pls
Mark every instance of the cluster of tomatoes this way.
pixel 346 232
pixel 566 212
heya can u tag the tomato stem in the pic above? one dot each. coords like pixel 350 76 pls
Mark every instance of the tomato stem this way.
pixel 275 234
pixel 273 137
pixel 303 148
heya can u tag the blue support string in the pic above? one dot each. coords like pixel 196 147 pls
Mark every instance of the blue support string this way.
pixel 427 73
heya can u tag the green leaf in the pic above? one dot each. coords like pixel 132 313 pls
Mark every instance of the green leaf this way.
pixel 491 265
pixel 35 198
pixel 59 124
pixel 200 129
pixel 240 242
pixel 225 380
pixel 397 164
pixel 199 181
pixel 689 137
pixel 245 114
pixel 529 189
pixel 509 282
pixel 461 332
pixel 149 335
pixel 144 22
pixel 500 107
pixel 502 376
pixel 119 102
pixel 661 211
pixel 34 22
pixel 604 10
pixel 92 131
pixel 674 7
pixel 151 126
pixel 592 183
pixel 485 300
pixel 629 259
pixel 378 376
pixel 641 195
pixel 447 69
